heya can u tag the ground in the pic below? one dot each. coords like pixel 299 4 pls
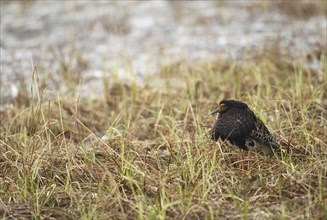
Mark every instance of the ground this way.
pixel 144 151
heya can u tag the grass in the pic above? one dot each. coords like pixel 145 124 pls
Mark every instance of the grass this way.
pixel 144 152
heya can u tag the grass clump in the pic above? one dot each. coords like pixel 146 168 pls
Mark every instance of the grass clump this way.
pixel 143 152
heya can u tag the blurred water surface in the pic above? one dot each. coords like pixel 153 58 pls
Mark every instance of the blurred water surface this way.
pixel 93 39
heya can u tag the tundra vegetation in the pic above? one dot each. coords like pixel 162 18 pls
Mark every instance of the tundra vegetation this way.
pixel 142 149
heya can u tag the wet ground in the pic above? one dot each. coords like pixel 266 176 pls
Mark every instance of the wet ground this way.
pixel 91 40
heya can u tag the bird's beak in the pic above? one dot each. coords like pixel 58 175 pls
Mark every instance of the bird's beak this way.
pixel 214 112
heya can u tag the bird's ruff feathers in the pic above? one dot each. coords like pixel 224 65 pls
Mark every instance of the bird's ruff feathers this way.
pixel 238 125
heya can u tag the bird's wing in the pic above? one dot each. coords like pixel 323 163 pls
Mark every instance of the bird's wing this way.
pixel 240 125
pixel 261 134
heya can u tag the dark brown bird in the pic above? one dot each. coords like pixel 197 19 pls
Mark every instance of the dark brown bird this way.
pixel 238 126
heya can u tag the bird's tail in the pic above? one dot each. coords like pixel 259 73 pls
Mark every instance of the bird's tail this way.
pixel 274 144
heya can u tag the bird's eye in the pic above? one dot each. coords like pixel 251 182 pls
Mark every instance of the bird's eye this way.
pixel 222 106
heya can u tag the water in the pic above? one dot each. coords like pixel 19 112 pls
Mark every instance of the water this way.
pixel 95 39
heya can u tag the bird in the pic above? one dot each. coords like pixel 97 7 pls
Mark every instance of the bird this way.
pixel 239 127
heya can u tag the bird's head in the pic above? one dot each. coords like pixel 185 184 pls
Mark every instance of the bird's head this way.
pixel 225 105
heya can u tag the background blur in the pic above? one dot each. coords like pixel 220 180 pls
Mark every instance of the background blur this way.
pixel 89 40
